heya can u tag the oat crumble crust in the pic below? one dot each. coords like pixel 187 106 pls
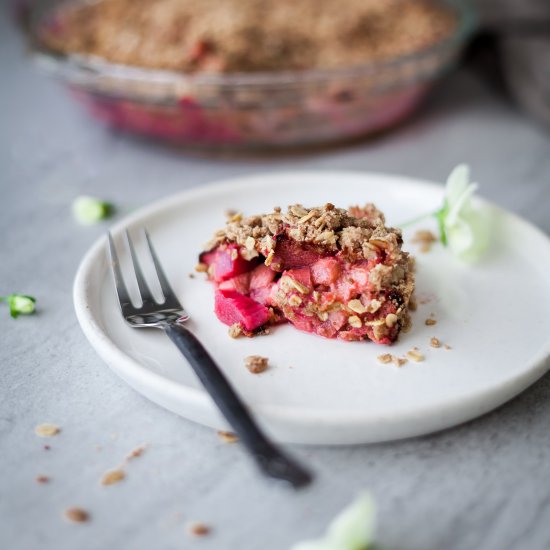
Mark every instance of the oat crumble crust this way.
pixel 248 35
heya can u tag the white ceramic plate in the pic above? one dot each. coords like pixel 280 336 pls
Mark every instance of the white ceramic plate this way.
pixel 320 391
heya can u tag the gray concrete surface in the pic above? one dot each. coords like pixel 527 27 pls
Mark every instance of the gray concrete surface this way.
pixel 484 485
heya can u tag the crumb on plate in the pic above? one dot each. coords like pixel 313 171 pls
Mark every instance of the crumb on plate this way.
pixel 227 437
pixel 256 363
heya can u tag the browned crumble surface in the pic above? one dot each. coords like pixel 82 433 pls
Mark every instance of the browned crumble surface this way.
pixel 249 35
pixel 256 363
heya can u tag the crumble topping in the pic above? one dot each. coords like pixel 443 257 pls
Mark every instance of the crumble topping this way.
pixel 256 363
pixel 248 35
pixel 235 330
pixel 359 233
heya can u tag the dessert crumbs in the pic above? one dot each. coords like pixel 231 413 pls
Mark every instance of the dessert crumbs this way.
pixel 385 358
pixel 42 479
pixel 425 239
pixel 201 268
pixel 235 330
pixel 256 363
pixel 191 275
pixel 430 322
pixel 415 355
pixel 399 361
pixel 113 476
pixel 76 515
pixel 46 447
pixel 198 529
pixel 138 451
pixel 447 347
pixel 435 342
pixel 227 437
pixel 47 430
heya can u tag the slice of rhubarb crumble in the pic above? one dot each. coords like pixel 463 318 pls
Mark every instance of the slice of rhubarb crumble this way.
pixel 329 271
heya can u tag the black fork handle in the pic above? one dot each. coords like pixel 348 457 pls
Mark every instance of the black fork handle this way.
pixel 269 458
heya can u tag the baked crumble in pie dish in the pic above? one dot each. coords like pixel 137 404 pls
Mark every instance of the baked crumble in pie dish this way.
pixel 248 73
pixel 328 271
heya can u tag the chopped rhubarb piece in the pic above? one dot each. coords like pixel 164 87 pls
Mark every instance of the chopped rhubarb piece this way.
pixel 290 254
pixel 261 277
pixel 226 262
pixel 240 283
pixel 325 271
pixel 232 307
pixel 302 276
pixel 263 295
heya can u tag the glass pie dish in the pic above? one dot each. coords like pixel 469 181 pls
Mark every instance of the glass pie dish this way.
pixel 249 110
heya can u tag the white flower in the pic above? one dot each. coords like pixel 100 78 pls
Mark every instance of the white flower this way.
pixel 352 529
pixel 463 226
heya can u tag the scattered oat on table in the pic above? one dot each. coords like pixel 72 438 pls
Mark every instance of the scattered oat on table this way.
pixel 228 437
pixel 198 529
pixel 191 275
pixel 430 322
pixel 112 477
pixel 77 515
pixel 415 355
pixel 47 430
pixel 136 452
pixel 447 347
pixel 256 363
pixel 42 479
pixel 435 343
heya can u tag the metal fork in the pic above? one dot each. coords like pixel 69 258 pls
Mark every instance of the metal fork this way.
pixel 169 316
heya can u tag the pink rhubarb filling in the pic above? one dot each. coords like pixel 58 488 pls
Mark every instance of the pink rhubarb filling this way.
pixel 324 295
